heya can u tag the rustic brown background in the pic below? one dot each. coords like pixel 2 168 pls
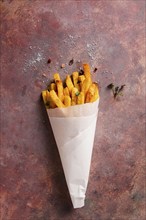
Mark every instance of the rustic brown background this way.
pixel 108 34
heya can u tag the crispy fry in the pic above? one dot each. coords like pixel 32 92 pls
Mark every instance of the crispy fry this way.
pixel 56 76
pixel 92 94
pixel 67 100
pixel 74 94
pixel 56 100
pixel 47 95
pixel 47 100
pixel 44 96
pixel 85 86
pixel 75 76
pixel 80 98
pixel 86 69
pixel 49 103
pixel 81 80
pixel 66 91
pixel 53 86
pixel 60 90
pixel 96 94
pixel 69 83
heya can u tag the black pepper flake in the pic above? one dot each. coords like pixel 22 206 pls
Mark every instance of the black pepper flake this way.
pixel 49 61
pixel 95 69
pixel 71 62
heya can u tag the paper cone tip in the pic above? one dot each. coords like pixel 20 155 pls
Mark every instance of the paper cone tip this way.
pixel 78 202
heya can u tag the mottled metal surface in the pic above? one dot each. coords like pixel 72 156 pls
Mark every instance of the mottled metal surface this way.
pixel 110 36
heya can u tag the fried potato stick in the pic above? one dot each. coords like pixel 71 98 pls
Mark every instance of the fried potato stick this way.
pixel 56 99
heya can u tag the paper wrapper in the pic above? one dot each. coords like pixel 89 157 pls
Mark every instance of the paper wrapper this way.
pixel 74 130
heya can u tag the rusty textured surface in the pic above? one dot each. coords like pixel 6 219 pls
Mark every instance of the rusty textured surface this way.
pixel 110 36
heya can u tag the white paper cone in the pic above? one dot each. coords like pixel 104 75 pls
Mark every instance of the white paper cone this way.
pixel 74 130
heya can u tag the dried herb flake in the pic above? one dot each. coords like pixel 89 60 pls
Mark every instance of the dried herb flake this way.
pixel 110 86
pixel 117 90
pixel 77 93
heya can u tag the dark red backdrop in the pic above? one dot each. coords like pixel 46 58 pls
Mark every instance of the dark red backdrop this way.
pixel 110 36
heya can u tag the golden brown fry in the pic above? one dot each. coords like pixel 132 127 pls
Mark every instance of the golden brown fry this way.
pixel 80 98
pixel 66 91
pixel 86 69
pixel 75 76
pixel 47 95
pixel 47 101
pixel 96 94
pixel 81 80
pixel 53 86
pixel 44 96
pixel 60 90
pixel 74 94
pixel 85 86
pixel 67 100
pixel 56 100
pixel 56 76
pixel 69 83
pixel 92 94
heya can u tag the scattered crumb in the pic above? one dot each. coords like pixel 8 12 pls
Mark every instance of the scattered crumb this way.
pixel 95 69
pixel 49 60
pixel 62 65
pixel 29 204
pixel 71 62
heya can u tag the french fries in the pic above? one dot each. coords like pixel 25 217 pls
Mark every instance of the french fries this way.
pixel 66 91
pixel 53 86
pixel 55 99
pixel 79 89
pixel 85 86
pixel 56 77
pixel 69 83
pixel 75 76
pixel 86 69
pixel 60 90
pixel 92 93
pixel 47 99
pixel 80 99
pixel 67 100
pixel 74 94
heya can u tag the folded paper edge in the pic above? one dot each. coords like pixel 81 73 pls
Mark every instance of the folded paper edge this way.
pixel 74 111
